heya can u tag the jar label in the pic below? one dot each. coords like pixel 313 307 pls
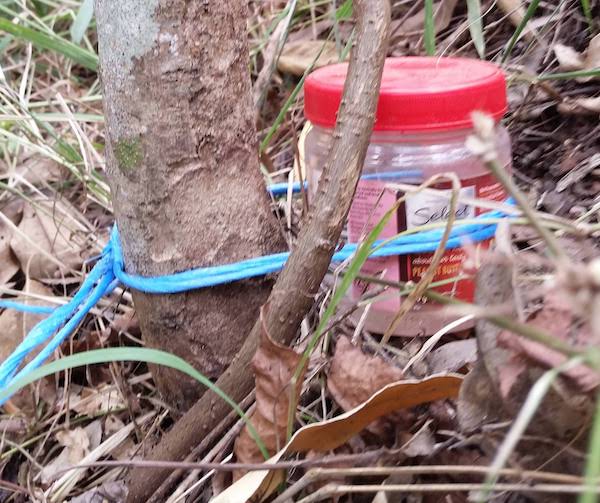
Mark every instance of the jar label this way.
pixel 374 198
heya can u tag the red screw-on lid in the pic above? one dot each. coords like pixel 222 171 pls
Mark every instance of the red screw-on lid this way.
pixel 417 94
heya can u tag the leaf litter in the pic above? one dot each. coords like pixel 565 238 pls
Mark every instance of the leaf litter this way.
pixel 51 215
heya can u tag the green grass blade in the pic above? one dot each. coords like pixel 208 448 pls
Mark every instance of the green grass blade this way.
pixel 288 103
pixel 130 354
pixel 344 11
pixel 361 256
pixel 536 395
pixel 429 34
pixel 515 36
pixel 587 11
pixel 476 26
pixel 594 72
pixel 82 21
pixel 592 466
pixel 41 40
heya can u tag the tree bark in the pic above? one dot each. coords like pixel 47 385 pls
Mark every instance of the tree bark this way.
pixel 297 285
pixel 183 168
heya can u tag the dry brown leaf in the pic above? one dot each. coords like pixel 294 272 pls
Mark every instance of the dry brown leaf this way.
pixel 297 56
pixel 92 401
pixel 274 366
pixel 580 106
pixel 8 262
pixel 516 12
pixel 453 356
pixel 592 55
pixel 42 236
pixel 39 170
pixel 328 435
pixel 442 16
pixel 76 445
pixel 570 60
pixel 354 376
pixel 557 318
pixel 9 266
pixel 114 491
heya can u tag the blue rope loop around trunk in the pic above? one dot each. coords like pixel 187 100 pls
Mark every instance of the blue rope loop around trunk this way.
pixel 109 272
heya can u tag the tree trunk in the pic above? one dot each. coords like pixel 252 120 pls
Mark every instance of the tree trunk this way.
pixel 296 286
pixel 183 167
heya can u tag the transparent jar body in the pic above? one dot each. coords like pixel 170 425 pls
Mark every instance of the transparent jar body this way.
pixel 394 157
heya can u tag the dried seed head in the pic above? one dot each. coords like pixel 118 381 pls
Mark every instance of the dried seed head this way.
pixel 483 142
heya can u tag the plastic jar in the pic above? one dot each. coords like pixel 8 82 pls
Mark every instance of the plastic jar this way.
pixel 423 119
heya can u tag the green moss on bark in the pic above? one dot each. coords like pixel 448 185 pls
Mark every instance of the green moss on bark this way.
pixel 128 152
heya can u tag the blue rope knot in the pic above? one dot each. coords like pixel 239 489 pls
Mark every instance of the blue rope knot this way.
pixel 109 272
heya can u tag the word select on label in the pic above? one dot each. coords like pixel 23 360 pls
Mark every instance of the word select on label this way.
pixel 375 197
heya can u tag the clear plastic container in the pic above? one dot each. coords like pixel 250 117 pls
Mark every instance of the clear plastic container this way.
pixel 409 146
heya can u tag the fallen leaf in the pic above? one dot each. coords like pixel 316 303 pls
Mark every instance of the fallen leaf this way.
pixel 296 57
pixel 76 445
pixel 453 356
pixel 330 434
pixel 556 318
pixel 592 55
pixel 516 13
pixel 94 432
pixel 43 245
pixel 39 170
pixel 274 366
pixel 580 106
pixel 478 402
pixel 442 16
pixel 578 173
pixel 354 376
pixel 92 401
pixel 422 443
pixel 9 265
pixel 114 491
pixel 570 60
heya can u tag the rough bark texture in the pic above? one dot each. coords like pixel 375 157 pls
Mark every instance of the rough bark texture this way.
pixel 183 167
pixel 295 289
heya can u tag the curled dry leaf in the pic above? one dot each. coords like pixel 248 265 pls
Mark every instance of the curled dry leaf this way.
pixel 570 60
pixel 43 245
pixel 9 265
pixel 453 356
pixel 95 401
pixel 274 366
pixel 297 57
pixel 76 443
pixel 580 106
pixel 557 318
pixel 330 434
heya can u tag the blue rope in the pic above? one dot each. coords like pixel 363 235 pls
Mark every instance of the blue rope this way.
pixel 109 272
